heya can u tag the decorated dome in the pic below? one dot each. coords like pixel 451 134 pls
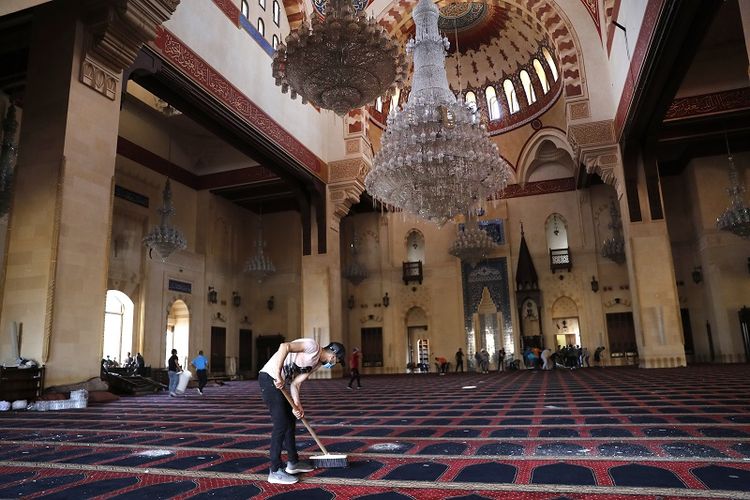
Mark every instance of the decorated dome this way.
pixel 505 63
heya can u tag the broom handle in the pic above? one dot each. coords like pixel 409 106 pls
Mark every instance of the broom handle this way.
pixel 307 426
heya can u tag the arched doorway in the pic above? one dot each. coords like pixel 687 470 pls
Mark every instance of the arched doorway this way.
pixel 566 328
pixel 118 326
pixel 178 332
pixel 417 341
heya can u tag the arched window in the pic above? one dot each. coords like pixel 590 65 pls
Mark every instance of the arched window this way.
pixel 118 326
pixel 394 100
pixel 276 12
pixel 262 4
pixel 245 9
pixel 275 42
pixel 379 104
pixel 510 95
pixel 493 107
pixel 471 97
pixel 550 62
pixel 542 75
pixel 527 87
pixel 261 27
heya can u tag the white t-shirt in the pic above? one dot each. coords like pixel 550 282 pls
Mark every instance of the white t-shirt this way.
pixel 295 363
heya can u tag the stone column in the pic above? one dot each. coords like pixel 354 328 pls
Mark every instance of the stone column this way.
pixel 56 272
pixel 322 302
pixel 653 288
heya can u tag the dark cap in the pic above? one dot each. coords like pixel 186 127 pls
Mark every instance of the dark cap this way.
pixel 336 348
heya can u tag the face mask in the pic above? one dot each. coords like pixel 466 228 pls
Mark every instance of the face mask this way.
pixel 329 365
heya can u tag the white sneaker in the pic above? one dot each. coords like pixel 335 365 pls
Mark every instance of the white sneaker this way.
pixel 172 394
pixel 299 466
pixel 281 477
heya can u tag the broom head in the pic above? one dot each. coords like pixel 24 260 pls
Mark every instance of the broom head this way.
pixel 329 461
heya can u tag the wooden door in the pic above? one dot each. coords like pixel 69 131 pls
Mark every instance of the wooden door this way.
pixel 218 349
pixel 265 347
pixel 246 350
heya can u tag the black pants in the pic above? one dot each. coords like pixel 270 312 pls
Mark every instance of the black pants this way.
pixel 202 379
pixel 355 376
pixel 459 364
pixel 284 422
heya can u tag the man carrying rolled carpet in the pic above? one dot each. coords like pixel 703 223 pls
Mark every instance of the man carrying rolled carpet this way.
pixel 291 364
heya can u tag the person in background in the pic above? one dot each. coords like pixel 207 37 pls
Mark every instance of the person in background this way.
pixel 140 364
pixel 459 359
pixel 442 364
pixel 173 371
pixel 354 368
pixel 501 360
pixel 598 355
pixel 201 368
pixel 292 363
pixel 546 359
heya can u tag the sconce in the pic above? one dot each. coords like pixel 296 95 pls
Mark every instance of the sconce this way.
pixel 350 302
pixel 386 300
pixel 236 299
pixel 697 274
pixel 270 303
pixel 213 295
pixel 594 284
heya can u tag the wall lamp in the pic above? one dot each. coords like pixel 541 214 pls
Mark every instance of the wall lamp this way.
pixel 213 295
pixel 386 300
pixel 350 302
pixel 594 284
pixel 236 299
pixel 697 274
pixel 270 303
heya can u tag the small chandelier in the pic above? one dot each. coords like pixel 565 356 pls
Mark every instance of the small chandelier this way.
pixel 437 159
pixel 472 244
pixel 260 266
pixel 165 238
pixel 8 155
pixel 354 272
pixel 614 247
pixel 736 218
pixel 342 63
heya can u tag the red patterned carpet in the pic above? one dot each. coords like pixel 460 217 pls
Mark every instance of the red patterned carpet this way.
pixel 597 434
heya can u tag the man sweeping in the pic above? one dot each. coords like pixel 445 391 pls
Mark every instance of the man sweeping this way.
pixel 291 364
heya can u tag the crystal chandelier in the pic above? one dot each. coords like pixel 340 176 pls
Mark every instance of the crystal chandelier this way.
pixel 736 218
pixel 436 159
pixel 7 159
pixel 165 238
pixel 354 272
pixel 260 266
pixel 342 63
pixel 472 244
pixel 614 247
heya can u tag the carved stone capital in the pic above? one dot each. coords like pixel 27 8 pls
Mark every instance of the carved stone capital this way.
pixel 346 182
pixel 117 29
pixel 604 162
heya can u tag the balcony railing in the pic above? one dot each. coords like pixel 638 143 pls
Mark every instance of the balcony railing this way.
pixel 412 272
pixel 560 258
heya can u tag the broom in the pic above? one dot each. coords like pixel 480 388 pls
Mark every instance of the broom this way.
pixel 326 460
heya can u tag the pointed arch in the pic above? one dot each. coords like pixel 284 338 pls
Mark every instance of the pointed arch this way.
pixel 533 153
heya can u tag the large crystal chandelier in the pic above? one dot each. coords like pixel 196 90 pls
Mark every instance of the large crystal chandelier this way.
pixel 614 247
pixel 342 63
pixel 736 218
pixel 259 266
pixel 7 159
pixel 472 244
pixel 436 159
pixel 165 238
pixel 354 271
